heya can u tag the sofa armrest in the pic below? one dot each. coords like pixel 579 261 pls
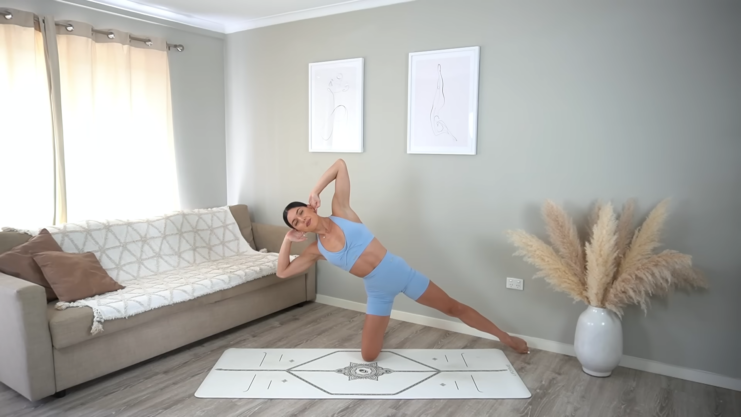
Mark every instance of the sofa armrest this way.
pixel 26 359
pixel 270 237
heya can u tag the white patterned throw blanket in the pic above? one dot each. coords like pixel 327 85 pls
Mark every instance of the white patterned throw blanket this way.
pixel 163 260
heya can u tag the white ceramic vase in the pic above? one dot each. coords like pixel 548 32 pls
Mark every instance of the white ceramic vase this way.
pixel 598 341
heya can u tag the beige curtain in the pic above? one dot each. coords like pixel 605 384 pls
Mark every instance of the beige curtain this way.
pixel 26 138
pixel 119 157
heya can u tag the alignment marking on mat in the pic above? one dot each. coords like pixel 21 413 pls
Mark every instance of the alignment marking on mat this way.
pixel 323 356
pixel 423 364
pixel 477 385
pixel 368 394
pixel 263 358
pixel 281 358
pixel 356 351
pixel 464 360
pixel 271 383
pixel 334 370
pixel 446 358
pixel 253 380
pixel 456 386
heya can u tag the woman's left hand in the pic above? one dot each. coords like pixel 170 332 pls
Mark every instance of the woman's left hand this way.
pixel 517 344
pixel 314 201
pixel 295 236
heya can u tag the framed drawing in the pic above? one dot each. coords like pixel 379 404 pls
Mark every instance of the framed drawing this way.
pixel 443 101
pixel 336 106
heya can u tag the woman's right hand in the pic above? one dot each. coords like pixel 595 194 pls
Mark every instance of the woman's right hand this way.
pixel 295 236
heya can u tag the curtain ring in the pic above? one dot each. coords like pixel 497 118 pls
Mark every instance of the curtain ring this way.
pixel 8 15
pixel 111 35
pixel 69 27
pixel 180 48
pixel 149 42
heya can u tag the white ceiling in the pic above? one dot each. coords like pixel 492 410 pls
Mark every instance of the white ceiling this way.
pixel 228 16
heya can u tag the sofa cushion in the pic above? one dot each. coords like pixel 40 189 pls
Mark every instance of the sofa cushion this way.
pixel 241 214
pixel 72 326
pixel 18 262
pixel 75 276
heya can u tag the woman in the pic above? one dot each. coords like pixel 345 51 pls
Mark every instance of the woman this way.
pixel 345 242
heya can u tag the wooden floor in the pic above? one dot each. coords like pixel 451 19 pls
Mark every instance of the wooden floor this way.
pixel 164 386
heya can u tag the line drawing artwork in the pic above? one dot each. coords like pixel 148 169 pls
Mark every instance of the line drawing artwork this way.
pixel 335 87
pixel 442 113
pixel 438 102
pixel 336 106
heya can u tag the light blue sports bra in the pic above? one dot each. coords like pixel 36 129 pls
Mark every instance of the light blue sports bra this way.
pixel 357 238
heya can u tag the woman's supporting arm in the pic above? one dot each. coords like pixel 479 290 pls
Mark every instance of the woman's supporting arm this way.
pixel 288 268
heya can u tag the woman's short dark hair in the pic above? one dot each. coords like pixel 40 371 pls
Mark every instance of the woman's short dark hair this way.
pixel 291 206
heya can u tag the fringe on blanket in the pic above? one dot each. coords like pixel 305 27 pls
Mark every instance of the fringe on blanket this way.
pixel 97 318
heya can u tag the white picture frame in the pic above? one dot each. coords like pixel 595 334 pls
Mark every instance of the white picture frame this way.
pixel 336 106
pixel 443 97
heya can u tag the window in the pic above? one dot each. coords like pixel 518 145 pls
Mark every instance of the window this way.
pixel 26 139
pixel 116 112
pixel 115 156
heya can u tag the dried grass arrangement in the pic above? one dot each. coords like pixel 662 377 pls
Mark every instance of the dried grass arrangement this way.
pixel 616 266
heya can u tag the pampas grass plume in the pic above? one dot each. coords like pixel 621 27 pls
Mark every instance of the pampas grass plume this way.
pixel 616 266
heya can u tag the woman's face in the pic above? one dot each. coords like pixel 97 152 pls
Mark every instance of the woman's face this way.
pixel 303 219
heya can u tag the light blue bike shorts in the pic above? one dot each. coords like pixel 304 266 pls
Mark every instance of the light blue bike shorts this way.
pixel 390 278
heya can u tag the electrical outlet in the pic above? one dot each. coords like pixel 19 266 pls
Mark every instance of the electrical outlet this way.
pixel 514 283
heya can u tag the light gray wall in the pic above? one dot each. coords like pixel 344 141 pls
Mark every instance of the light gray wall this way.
pixel 197 85
pixel 579 101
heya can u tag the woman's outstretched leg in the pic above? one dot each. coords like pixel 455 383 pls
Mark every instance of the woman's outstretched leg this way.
pixel 437 298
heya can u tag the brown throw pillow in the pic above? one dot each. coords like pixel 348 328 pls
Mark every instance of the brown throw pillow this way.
pixel 75 276
pixel 19 262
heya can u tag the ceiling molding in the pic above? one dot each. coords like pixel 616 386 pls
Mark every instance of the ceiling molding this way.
pixel 158 13
pixel 162 14
pixel 344 7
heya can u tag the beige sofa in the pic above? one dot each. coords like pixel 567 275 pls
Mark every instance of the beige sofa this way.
pixel 44 351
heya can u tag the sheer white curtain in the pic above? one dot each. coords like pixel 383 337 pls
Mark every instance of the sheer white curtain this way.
pixel 118 139
pixel 26 139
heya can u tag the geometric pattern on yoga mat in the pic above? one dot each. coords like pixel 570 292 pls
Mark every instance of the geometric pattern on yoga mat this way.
pixel 342 373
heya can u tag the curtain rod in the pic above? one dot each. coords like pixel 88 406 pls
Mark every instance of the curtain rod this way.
pixel 178 47
pixel 111 35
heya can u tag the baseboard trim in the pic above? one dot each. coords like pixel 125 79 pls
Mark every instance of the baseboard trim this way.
pixel 688 374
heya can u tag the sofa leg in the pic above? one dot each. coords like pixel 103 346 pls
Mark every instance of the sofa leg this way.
pixel 61 394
